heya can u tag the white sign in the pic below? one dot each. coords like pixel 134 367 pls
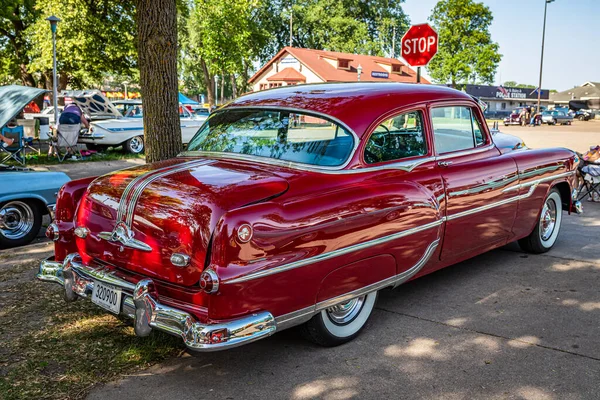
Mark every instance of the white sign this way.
pixel 289 60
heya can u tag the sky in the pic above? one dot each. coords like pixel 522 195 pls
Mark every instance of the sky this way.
pixel 571 55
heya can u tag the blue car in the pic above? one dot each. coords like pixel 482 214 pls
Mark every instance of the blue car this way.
pixel 25 195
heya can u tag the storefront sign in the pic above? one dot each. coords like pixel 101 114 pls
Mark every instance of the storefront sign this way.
pixel 378 74
pixel 509 93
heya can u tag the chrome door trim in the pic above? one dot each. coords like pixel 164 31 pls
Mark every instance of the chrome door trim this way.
pixel 300 316
pixel 334 253
pixel 504 180
pixel 538 181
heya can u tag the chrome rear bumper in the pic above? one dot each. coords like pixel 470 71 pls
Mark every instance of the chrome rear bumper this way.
pixel 140 302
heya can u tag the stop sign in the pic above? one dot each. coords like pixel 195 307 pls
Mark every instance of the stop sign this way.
pixel 419 45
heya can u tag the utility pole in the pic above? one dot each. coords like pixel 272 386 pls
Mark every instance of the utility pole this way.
pixel 53 22
pixel 291 25
pixel 394 42
pixel 539 100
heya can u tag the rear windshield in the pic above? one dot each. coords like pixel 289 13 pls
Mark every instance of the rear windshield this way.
pixel 276 134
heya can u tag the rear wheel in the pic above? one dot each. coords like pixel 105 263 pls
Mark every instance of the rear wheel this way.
pixel 135 145
pixel 20 222
pixel 546 230
pixel 341 323
pixel 582 117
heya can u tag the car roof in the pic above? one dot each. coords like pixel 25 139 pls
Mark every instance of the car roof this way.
pixel 356 104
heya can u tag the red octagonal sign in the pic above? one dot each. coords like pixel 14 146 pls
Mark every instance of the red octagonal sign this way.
pixel 419 45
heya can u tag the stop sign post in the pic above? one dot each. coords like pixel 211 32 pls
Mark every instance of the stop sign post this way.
pixel 419 45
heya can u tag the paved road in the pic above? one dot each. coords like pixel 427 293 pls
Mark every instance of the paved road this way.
pixel 579 136
pixel 505 325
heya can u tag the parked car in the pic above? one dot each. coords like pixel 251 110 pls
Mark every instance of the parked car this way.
pixel 25 197
pixel 47 112
pixel 556 117
pixel 514 118
pixel 128 130
pixel 582 115
pixel 295 206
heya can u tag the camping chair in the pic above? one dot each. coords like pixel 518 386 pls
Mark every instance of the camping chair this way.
pixel 15 150
pixel 66 142
pixel 589 182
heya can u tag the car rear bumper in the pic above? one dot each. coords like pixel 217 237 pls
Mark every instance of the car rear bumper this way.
pixel 140 302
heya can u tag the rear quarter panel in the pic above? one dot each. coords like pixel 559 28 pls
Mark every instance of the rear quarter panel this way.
pixel 536 165
pixel 325 213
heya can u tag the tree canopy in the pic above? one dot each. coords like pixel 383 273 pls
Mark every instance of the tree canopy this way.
pixel 466 52
pixel 94 38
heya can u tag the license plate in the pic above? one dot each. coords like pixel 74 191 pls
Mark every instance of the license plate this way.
pixel 107 296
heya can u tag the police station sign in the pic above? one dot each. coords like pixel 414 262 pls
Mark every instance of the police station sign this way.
pixel 500 92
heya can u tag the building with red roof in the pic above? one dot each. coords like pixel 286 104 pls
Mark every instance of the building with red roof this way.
pixel 295 66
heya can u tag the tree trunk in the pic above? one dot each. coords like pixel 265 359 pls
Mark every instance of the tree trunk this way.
pixel 209 82
pixel 233 86
pixel 157 59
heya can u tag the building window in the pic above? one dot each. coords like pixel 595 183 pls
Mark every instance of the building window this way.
pixel 503 106
pixel 262 86
pixel 396 68
pixel 344 64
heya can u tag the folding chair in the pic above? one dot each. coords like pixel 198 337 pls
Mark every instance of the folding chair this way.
pixel 590 182
pixel 66 138
pixel 15 150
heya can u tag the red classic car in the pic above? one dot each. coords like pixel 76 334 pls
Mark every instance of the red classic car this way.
pixel 295 206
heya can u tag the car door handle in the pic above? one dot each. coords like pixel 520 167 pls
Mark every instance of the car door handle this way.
pixel 444 164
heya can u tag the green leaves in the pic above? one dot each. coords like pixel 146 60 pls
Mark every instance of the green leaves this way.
pixel 466 51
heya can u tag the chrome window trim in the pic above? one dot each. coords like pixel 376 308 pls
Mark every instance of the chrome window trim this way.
pixel 334 253
pixel 300 316
pixel 290 164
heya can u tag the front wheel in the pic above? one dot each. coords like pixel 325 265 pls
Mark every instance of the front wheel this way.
pixel 135 145
pixel 20 222
pixel 546 230
pixel 341 323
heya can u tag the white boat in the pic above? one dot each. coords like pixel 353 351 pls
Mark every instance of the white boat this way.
pixel 125 130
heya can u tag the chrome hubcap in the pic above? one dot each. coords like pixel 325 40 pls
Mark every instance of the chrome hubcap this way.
pixel 16 220
pixel 548 219
pixel 344 313
pixel 136 144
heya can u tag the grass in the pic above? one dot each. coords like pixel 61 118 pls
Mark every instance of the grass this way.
pixel 33 159
pixel 51 349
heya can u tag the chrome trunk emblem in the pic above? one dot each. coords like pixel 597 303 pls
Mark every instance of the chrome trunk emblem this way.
pixel 124 235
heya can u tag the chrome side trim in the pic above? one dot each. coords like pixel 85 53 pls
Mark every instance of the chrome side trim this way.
pixel 334 253
pixel 395 281
pixel 300 316
pixel 294 318
pixel 531 185
pixel 538 181
pixel 505 180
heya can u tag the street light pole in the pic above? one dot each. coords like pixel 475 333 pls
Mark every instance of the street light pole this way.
pixel 358 71
pixel 216 90
pixel 539 99
pixel 53 22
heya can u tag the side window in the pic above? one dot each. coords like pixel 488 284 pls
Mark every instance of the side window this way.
pixel 453 129
pixel 477 131
pixel 397 138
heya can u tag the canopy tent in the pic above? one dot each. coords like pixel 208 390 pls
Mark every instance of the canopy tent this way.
pixel 184 100
pixel 14 98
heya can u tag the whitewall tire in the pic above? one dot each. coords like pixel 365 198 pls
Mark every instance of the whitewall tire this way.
pixel 544 235
pixel 341 323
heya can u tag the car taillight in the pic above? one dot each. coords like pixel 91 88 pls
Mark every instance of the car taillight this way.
pixel 52 232
pixel 209 281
